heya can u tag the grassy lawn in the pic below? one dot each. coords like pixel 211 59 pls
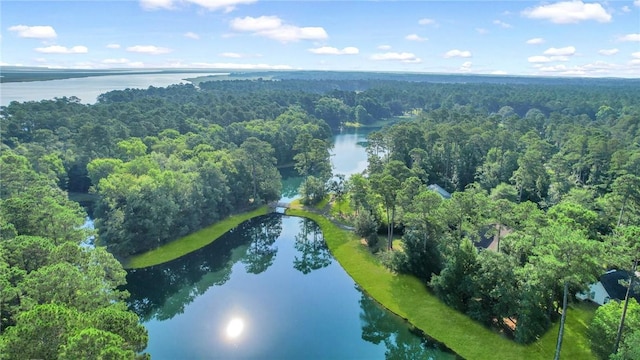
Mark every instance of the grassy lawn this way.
pixel 191 242
pixel 409 298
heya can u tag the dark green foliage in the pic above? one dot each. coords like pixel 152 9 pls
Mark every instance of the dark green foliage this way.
pixel 423 256
pixel 455 285
pixel 603 327
pixel 58 299
pixel 312 190
pixel 366 226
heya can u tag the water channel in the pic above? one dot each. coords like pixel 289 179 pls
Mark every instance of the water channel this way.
pixel 270 289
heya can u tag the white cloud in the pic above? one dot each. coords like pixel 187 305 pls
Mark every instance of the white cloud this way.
pixel 122 62
pixel 116 61
pixel 149 49
pixel 231 55
pixel 191 35
pixel 636 55
pixel 597 68
pixel 384 47
pixel 57 49
pixel 234 55
pixel 608 52
pixel 426 21
pixel 553 68
pixel 252 24
pixel 626 9
pixel 415 37
pixel 482 31
pixel 404 57
pixel 156 4
pixel 241 66
pixel 272 27
pixel 538 59
pixel 535 41
pixel 457 53
pixel 498 72
pixel 113 46
pixel 565 51
pixel 466 66
pixel 569 12
pixel 213 5
pixel 226 5
pixel 634 62
pixel 34 32
pixel 502 24
pixel 328 50
pixel 637 3
pixel 630 37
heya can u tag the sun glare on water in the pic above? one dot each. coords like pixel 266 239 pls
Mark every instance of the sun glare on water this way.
pixel 235 327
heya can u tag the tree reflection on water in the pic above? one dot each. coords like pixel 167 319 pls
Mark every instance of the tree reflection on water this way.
pixel 314 253
pixel 161 292
pixel 401 342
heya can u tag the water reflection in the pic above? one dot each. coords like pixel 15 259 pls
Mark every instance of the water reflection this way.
pixel 160 292
pixel 234 328
pixel 268 289
pixel 401 342
pixel 314 253
pixel 261 252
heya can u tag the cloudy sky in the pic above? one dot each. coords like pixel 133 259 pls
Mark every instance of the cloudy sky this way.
pixel 566 38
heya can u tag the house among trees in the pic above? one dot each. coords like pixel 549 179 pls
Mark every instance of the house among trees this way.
pixel 608 288
pixel 437 188
pixel 490 237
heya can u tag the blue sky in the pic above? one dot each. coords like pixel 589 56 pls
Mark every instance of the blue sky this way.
pixel 550 38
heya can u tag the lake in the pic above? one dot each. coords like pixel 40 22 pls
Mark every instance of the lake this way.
pixel 269 289
pixel 87 89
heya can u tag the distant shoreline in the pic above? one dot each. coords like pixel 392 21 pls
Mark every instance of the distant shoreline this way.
pixel 16 74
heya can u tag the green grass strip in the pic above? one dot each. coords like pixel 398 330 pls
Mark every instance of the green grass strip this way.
pixel 191 242
pixel 406 296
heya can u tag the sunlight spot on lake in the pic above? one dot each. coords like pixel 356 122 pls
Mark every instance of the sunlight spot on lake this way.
pixel 235 327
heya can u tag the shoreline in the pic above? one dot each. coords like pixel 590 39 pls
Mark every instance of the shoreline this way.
pixel 402 294
pixel 192 242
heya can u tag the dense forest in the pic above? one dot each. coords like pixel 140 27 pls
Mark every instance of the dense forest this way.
pixel 550 171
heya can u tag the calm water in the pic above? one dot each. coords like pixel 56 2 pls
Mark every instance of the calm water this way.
pixel 86 89
pixel 269 289
pixel 348 157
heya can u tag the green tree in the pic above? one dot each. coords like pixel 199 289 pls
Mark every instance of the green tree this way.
pixel 312 158
pixel 312 190
pixel 265 178
pixel 630 347
pixel 497 289
pixel 39 332
pixel 602 331
pixel 455 285
pixel 566 255
pixel 96 344
pixel 387 185
pixel 627 253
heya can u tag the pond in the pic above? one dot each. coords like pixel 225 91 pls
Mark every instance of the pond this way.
pixel 270 289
